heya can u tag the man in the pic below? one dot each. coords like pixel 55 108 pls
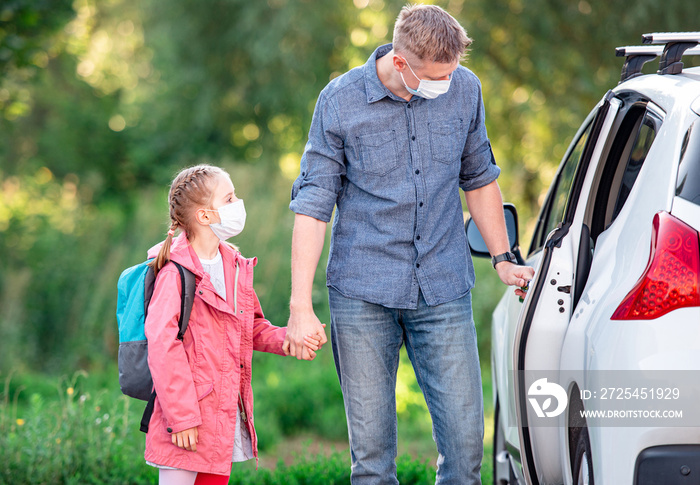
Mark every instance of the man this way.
pixel 390 144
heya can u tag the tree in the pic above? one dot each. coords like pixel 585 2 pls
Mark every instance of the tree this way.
pixel 26 30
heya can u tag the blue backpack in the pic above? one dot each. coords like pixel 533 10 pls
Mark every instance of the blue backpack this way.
pixel 135 288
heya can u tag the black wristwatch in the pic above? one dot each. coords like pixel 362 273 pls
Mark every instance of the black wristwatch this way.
pixel 503 257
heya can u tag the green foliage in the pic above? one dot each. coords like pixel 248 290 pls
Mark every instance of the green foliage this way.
pixel 244 89
pixel 132 91
pixel 334 469
pixel 26 29
pixel 298 396
pixel 70 437
pixel 485 295
pixel 58 276
pixel 75 431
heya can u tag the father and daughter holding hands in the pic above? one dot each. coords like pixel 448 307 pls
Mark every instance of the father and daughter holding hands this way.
pixel 390 145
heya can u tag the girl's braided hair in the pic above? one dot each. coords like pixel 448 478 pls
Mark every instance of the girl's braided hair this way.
pixel 191 189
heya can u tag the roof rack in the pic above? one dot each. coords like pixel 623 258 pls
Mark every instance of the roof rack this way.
pixel 671 46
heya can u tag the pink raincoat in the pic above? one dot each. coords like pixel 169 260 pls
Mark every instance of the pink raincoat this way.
pixel 198 379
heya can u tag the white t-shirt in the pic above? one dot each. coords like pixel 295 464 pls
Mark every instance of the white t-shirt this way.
pixel 215 268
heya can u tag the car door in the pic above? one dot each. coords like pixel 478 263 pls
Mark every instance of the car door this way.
pixel 542 322
pixel 507 313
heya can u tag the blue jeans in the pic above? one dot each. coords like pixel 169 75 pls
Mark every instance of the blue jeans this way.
pixel 441 344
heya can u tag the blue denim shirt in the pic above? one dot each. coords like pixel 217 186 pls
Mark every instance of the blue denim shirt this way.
pixel 394 169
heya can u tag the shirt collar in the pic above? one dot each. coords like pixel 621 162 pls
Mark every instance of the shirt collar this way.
pixel 373 86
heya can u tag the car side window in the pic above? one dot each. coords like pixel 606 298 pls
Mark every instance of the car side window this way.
pixel 630 147
pixel 638 153
pixel 555 207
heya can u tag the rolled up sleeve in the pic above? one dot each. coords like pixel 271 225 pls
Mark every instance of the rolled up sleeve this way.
pixel 478 163
pixel 315 191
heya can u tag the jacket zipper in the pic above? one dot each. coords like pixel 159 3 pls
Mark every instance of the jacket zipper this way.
pixel 244 417
pixel 235 290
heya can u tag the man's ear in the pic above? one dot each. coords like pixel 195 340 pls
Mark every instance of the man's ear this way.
pixel 399 63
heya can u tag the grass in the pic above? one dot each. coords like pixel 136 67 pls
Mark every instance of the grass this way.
pixel 81 430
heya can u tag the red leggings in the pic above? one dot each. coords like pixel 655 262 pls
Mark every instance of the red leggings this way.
pixel 211 479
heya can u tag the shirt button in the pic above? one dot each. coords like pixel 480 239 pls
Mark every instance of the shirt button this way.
pixel 417 265
pixel 420 204
pixel 169 430
pixel 413 138
pixel 241 366
pixel 418 238
pixel 408 105
pixel 417 172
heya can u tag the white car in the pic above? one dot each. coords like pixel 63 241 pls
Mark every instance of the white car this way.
pixel 596 374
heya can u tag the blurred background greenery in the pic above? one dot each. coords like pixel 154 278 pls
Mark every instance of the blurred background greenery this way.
pixel 103 101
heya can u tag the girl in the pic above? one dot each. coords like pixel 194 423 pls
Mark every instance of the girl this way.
pixel 203 414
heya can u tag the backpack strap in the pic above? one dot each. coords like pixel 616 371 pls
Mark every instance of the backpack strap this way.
pixel 188 285
pixel 146 418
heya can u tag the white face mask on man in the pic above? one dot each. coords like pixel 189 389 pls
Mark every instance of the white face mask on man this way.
pixel 232 220
pixel 427 89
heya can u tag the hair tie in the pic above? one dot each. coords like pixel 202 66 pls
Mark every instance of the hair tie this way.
pixel 171 232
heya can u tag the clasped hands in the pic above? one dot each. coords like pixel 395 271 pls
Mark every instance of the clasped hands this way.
pixel 305 335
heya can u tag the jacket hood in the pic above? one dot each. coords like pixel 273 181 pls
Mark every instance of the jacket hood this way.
pixel 181 252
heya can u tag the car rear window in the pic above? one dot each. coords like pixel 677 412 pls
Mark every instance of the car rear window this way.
pixel 688 185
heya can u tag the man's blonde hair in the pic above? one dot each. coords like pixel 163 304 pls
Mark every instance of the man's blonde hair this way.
pixel 430 33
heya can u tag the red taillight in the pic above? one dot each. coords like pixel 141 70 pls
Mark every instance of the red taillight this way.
pixel 671 279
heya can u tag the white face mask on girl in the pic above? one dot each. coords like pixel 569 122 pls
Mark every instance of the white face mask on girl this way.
pixel 427 89
pixel 232 220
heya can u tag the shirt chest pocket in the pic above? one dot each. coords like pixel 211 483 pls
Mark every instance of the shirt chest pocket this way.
pixel 446 141
pixel 378 152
